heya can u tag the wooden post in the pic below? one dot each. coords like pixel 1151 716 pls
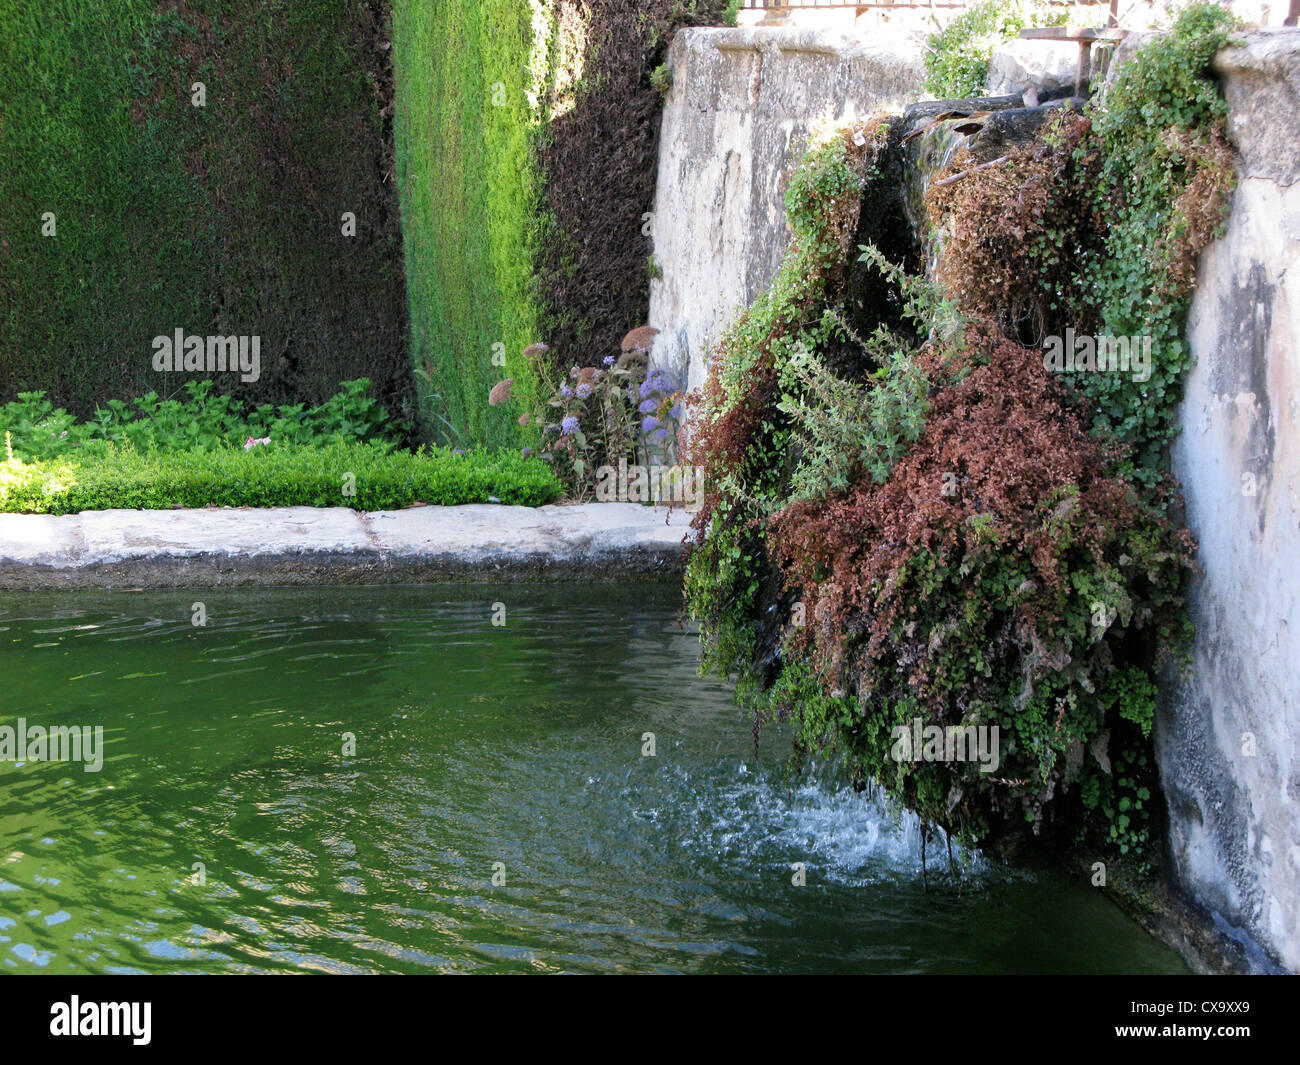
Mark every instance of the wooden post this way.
pixel 1084 67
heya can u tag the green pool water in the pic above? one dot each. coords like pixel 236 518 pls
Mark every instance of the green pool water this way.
pixel 480 749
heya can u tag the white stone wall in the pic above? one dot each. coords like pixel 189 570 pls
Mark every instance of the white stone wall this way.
pixel 1235 816
pixel 739 114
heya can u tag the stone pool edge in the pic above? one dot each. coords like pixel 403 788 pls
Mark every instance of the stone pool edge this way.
pixel 336 545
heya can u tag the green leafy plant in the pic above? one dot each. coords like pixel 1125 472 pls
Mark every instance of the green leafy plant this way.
pixel 957 56
pixel 1165 170
pixel 202 421
pixel 273 476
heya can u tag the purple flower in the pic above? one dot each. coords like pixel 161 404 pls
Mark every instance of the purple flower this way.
pixel 659 434
pixel 675 411
pixel 647 424
pixel 527 451
pixel 583 390
pixel 609 360
pixel 647 406
pixel 552 428
pixel 646 387
pixel 570 425
pixel 566 391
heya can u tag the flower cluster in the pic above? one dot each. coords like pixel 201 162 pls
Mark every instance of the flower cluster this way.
pixel 598 415
pixel 660 406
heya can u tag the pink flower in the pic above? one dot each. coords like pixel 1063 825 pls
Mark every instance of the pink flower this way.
pixel 253 441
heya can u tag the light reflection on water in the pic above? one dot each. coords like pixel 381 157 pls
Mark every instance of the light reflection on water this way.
pixel 475 745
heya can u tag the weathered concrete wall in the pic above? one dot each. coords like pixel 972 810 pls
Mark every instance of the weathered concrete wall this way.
pixel 1234 814
pixel 742 105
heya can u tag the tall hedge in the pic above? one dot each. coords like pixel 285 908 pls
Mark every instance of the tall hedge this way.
pixel 600 161
pixel 467 177
pixel 224 218
pixel 527 143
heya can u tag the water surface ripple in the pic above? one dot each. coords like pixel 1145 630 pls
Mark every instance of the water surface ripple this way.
pixel 474 745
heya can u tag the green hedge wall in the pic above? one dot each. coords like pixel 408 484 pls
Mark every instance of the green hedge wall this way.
pixel 527 146
pixel 220 219
pixel 468 185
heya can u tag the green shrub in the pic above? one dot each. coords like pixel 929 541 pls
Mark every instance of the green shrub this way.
pixel 957 59
pixel 841 429
pixel 1001 575
pixel 271 476
pixel 202 421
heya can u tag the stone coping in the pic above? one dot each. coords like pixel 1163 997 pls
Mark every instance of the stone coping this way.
pixel 336 545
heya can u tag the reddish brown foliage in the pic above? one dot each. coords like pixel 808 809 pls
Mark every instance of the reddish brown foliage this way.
pixel 1015 231
pixel 1199 207
pixel 1007 444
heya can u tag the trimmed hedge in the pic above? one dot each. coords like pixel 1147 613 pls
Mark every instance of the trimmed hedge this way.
pixel 222 219
pixel 527 142
pixel 599 162
pixel 468 183
pixel 267 476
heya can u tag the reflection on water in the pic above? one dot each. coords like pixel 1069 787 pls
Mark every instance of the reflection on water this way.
pixel 233 827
